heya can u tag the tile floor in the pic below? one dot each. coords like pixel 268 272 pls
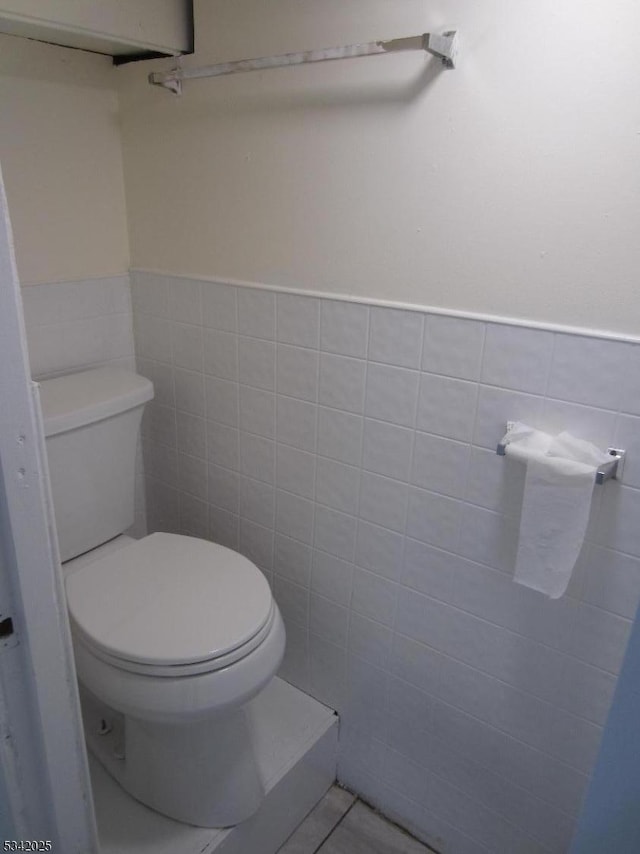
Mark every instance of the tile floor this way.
pixel 341 824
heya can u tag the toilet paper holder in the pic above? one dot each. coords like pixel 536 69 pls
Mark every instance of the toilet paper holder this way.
pixel 607 471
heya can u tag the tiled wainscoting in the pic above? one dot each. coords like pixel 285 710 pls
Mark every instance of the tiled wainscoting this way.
pixel 349 450
pixel 72 326
pixel 75 325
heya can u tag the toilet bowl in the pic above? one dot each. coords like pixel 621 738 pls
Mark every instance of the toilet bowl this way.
pixel 172 635
pixel 171 628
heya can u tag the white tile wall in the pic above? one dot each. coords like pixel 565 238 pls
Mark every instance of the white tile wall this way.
pixel 350 452
pixel 72 325
pixel 84 324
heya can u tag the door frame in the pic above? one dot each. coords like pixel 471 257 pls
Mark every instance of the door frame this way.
pixel 43 761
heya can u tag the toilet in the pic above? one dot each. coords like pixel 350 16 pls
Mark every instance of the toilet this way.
pixel 172 635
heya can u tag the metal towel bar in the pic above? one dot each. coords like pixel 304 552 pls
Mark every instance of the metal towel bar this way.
pixel 607 471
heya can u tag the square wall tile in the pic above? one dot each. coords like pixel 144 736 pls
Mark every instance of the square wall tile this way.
pixel 256 501
pixel 189 391
pixel 392 394
pixel 295 471
pixel 627 436
pixel 517 358
pixel 340 435
pixel 433 518
pixel 294 516
pixel 256 313
pixel 618 523
pixel 342 382
pixel 447 407
pixel 258 411
pixel 152 337
pixel 328 620
pixel 370 641
pixel 222 401
pixel 161 462
pixel 296 423
pixel 453 346
pixel 224 527
pixel 297 372
pixel 586 691
pixel 574 740
pixel 334 532
pixel 187 346
pixel 395 337
pixel 630 381
pixel 194 516
pixel 344 328
pixel 327 672
pixel 295 665
pixel 583 368
pixel 185 300
pixel 159 424
pixel 383 501
pixel 599 638
pixel 298 320
pixel 374 597
pixel 223 444
pixel 489 538
pixel 256 543
pixel 292 560
pixel 495 482
pixel 387 449
pixel 421 618
pixel 221 354
pixel 612 581
pixel 257 363
pixel 219 306
pixel 440 465
pixel 496 407
pixel 515 712
pixel 337 485
pixel 257 457
pixel 191 435
pixel 379 550
pixel 331 577
pixel 223 487
pixel 429 570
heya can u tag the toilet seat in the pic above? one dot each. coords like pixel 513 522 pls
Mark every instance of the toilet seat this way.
pixel 169 670
pixel 170 605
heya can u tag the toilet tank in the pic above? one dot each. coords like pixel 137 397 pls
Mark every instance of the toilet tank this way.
pixel 91 425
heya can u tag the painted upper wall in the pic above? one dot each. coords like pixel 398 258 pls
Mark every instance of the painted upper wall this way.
pixel 62 161
pixel 508 186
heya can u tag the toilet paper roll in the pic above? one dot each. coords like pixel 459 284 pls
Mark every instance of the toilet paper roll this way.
pixel 556 505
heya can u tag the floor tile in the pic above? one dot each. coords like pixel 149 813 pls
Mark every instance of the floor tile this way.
pixel 317 826
pixel 363 831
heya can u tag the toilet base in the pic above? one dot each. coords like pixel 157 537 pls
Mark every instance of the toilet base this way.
pixel 203 772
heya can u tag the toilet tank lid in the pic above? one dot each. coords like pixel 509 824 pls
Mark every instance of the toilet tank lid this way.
pixel 78 399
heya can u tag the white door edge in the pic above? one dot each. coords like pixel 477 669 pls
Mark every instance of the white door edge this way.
pixel 42 753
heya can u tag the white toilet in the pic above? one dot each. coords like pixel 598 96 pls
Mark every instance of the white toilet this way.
pixel 172 635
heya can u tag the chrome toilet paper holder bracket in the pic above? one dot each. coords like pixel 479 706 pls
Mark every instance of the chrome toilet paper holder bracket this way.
pixel 607 471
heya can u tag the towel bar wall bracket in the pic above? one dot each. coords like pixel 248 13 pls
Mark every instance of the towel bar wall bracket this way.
pixel 443 45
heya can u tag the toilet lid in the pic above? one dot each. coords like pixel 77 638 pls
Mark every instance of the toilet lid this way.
pixel 169 600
